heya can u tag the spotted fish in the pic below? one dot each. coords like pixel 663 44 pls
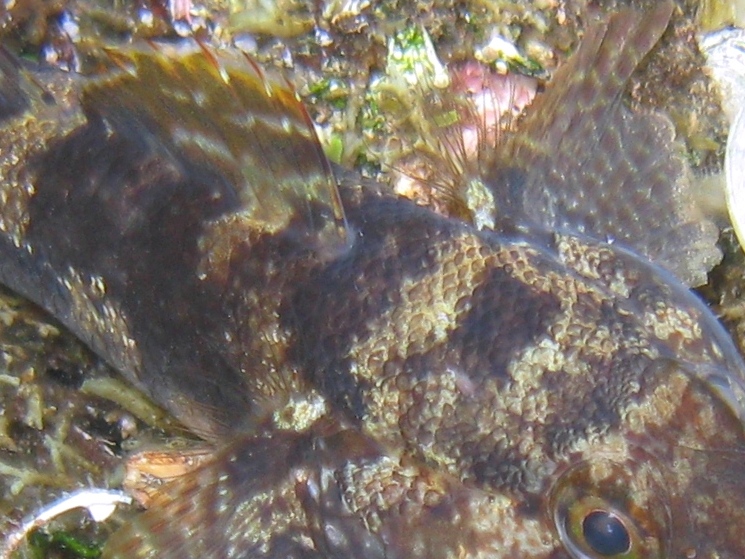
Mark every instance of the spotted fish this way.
pixel 379 380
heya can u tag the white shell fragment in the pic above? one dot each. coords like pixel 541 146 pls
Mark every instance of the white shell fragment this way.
pixel 100 504
pixel 734 165
pixel 725 60
pixel 725 54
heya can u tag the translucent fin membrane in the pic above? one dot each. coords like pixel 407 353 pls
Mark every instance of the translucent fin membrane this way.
pixel 217 110
pixel 584 163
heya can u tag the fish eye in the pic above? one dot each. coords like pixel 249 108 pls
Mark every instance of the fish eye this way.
pixel 602 511
pixel 605 533
pixel 592 528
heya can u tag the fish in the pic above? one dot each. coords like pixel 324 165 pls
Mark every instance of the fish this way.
pixel 380 380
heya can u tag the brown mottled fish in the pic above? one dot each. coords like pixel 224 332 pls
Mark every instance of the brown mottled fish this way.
pixel 382 381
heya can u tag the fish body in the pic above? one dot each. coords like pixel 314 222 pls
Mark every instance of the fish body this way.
pixel 380 380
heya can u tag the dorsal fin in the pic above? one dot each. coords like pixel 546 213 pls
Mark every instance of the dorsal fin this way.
pixel 250 130
pixel 582 162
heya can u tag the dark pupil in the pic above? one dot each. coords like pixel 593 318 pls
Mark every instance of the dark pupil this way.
pixel 605 533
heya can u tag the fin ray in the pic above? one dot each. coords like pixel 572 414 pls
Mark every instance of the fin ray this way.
pixel 583 162
pixel 217 110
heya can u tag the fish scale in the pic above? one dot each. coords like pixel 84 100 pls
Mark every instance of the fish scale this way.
pixel 377 379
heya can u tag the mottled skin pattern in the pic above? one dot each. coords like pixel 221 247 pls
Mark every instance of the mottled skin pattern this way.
pixel 382 381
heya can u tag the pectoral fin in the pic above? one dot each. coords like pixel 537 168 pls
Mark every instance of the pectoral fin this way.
pixel 582 162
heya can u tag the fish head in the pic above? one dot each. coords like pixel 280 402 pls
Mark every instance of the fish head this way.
pixel 594 412
pixel 668 484
pixel 662 481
